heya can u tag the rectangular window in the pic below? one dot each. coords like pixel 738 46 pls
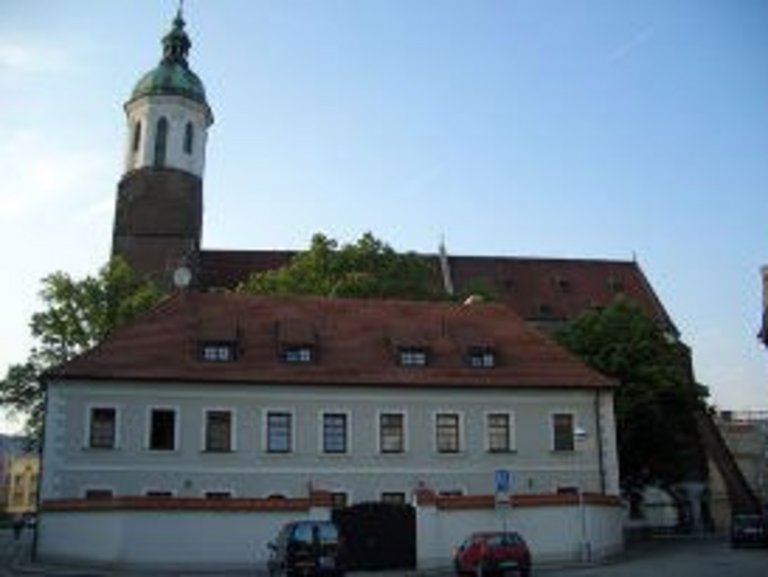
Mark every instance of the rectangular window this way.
pixel 334 433
pixel 299 355
pixel 562 432
pixel 393 498
pixel 162 432
pixel 218 431
pixel 338 500
pixel 499 429
pixel 158 494
pixel 447 430
pixel 103 428
pixel 98 494
pixel 218 352
pixel 391 433
pixel 217 494
pixel 412 357
pixel 279 432
pixel 482 358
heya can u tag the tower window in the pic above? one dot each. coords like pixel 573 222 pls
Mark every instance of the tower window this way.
pixel 136 137
pixel 161 139
pixel 189 137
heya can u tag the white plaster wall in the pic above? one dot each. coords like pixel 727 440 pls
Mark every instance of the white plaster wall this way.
pixel 178 111
pixel 180 539
pixel 363 473
pixel 553 533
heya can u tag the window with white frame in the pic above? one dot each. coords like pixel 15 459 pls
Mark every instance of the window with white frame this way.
pixel 412 356
pixel 447 432
pixel 102 429
pixel 218 430
pixel 297 354
pixel 334 433
pixel 162 429
pixel 500 438
pixel 218 352
pixel 279 432
pixel 562 432
pixel 391 432
pixel 481 358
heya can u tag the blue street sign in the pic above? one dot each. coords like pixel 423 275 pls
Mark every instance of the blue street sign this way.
pixel 503 481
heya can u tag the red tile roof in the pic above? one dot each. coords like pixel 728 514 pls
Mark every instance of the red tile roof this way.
pixel 538 289
pixel 356 343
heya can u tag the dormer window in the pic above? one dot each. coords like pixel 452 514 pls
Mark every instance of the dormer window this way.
pixel 562 284
pixel 298 354
pixel 412 356
pixel 481 358
pixel 217 352
pixel 615 285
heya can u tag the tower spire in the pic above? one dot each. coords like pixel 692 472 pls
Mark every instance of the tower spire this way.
pixel 176 43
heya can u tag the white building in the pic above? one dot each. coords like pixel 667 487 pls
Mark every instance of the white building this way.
pixel 188 437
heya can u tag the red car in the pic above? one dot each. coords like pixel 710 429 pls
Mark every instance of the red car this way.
pixel 493 553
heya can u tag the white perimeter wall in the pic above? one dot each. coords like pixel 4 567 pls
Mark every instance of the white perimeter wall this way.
pixel 553 533
pixel 185 539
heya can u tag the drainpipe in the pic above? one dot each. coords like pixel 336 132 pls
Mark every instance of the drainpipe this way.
pixel 599 435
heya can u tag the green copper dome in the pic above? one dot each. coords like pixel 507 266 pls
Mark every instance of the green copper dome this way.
pixel 172 75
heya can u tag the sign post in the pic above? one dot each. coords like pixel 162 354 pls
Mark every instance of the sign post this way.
pixel 503 482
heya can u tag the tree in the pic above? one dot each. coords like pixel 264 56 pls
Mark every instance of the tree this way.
pixel 78 314
pixel 656 399
pixel 368 268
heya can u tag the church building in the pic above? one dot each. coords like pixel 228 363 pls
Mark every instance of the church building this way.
pixel 198 430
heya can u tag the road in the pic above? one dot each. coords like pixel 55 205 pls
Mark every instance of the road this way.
pixel 674 557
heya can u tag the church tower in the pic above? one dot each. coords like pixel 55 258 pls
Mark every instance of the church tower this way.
pixel 159 212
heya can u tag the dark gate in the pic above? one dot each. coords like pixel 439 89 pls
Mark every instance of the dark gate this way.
pixel 378 535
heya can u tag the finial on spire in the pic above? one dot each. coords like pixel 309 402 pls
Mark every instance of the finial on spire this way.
pixel 176 43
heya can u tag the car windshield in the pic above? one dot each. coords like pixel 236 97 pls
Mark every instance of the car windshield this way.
pixel 325 533
pixel 747 521
pixel 503 540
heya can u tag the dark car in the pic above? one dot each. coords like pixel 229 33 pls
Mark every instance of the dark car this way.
pixel 748 529
pixel 493 553
pixel 306 548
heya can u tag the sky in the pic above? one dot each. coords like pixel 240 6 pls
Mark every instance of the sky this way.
pixel 634 129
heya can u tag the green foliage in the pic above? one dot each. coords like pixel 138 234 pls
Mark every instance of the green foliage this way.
pixel 368 268
pixel 78 314
pixel 657 397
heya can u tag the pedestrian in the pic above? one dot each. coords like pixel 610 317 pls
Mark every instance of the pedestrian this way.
pixel 18 526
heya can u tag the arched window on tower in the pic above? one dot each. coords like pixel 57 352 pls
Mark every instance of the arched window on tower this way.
pixel 189 137
pixel 136 137
pixel 161 138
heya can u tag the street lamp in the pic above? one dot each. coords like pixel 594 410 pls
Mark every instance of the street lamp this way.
pixel 579 437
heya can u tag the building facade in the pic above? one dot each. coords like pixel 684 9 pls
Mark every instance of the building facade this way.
pixel 226 402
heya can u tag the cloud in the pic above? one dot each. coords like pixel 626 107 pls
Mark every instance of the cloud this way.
pixel 624 50
pixel 33 58
pixel 35 172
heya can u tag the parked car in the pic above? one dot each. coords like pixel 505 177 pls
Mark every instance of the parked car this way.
pixel 493 553
pixel 748 529
pixel 307 548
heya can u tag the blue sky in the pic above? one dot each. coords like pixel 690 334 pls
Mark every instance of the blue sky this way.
pixel 568 128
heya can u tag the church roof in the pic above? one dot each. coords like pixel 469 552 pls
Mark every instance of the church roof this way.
pixel 172 75
pixel 353 342
pixel 541 290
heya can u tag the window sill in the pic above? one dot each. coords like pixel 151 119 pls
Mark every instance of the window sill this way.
pixel 217 451
pixel 502 451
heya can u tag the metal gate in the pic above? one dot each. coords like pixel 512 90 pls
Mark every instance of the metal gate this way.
pixel 378 535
